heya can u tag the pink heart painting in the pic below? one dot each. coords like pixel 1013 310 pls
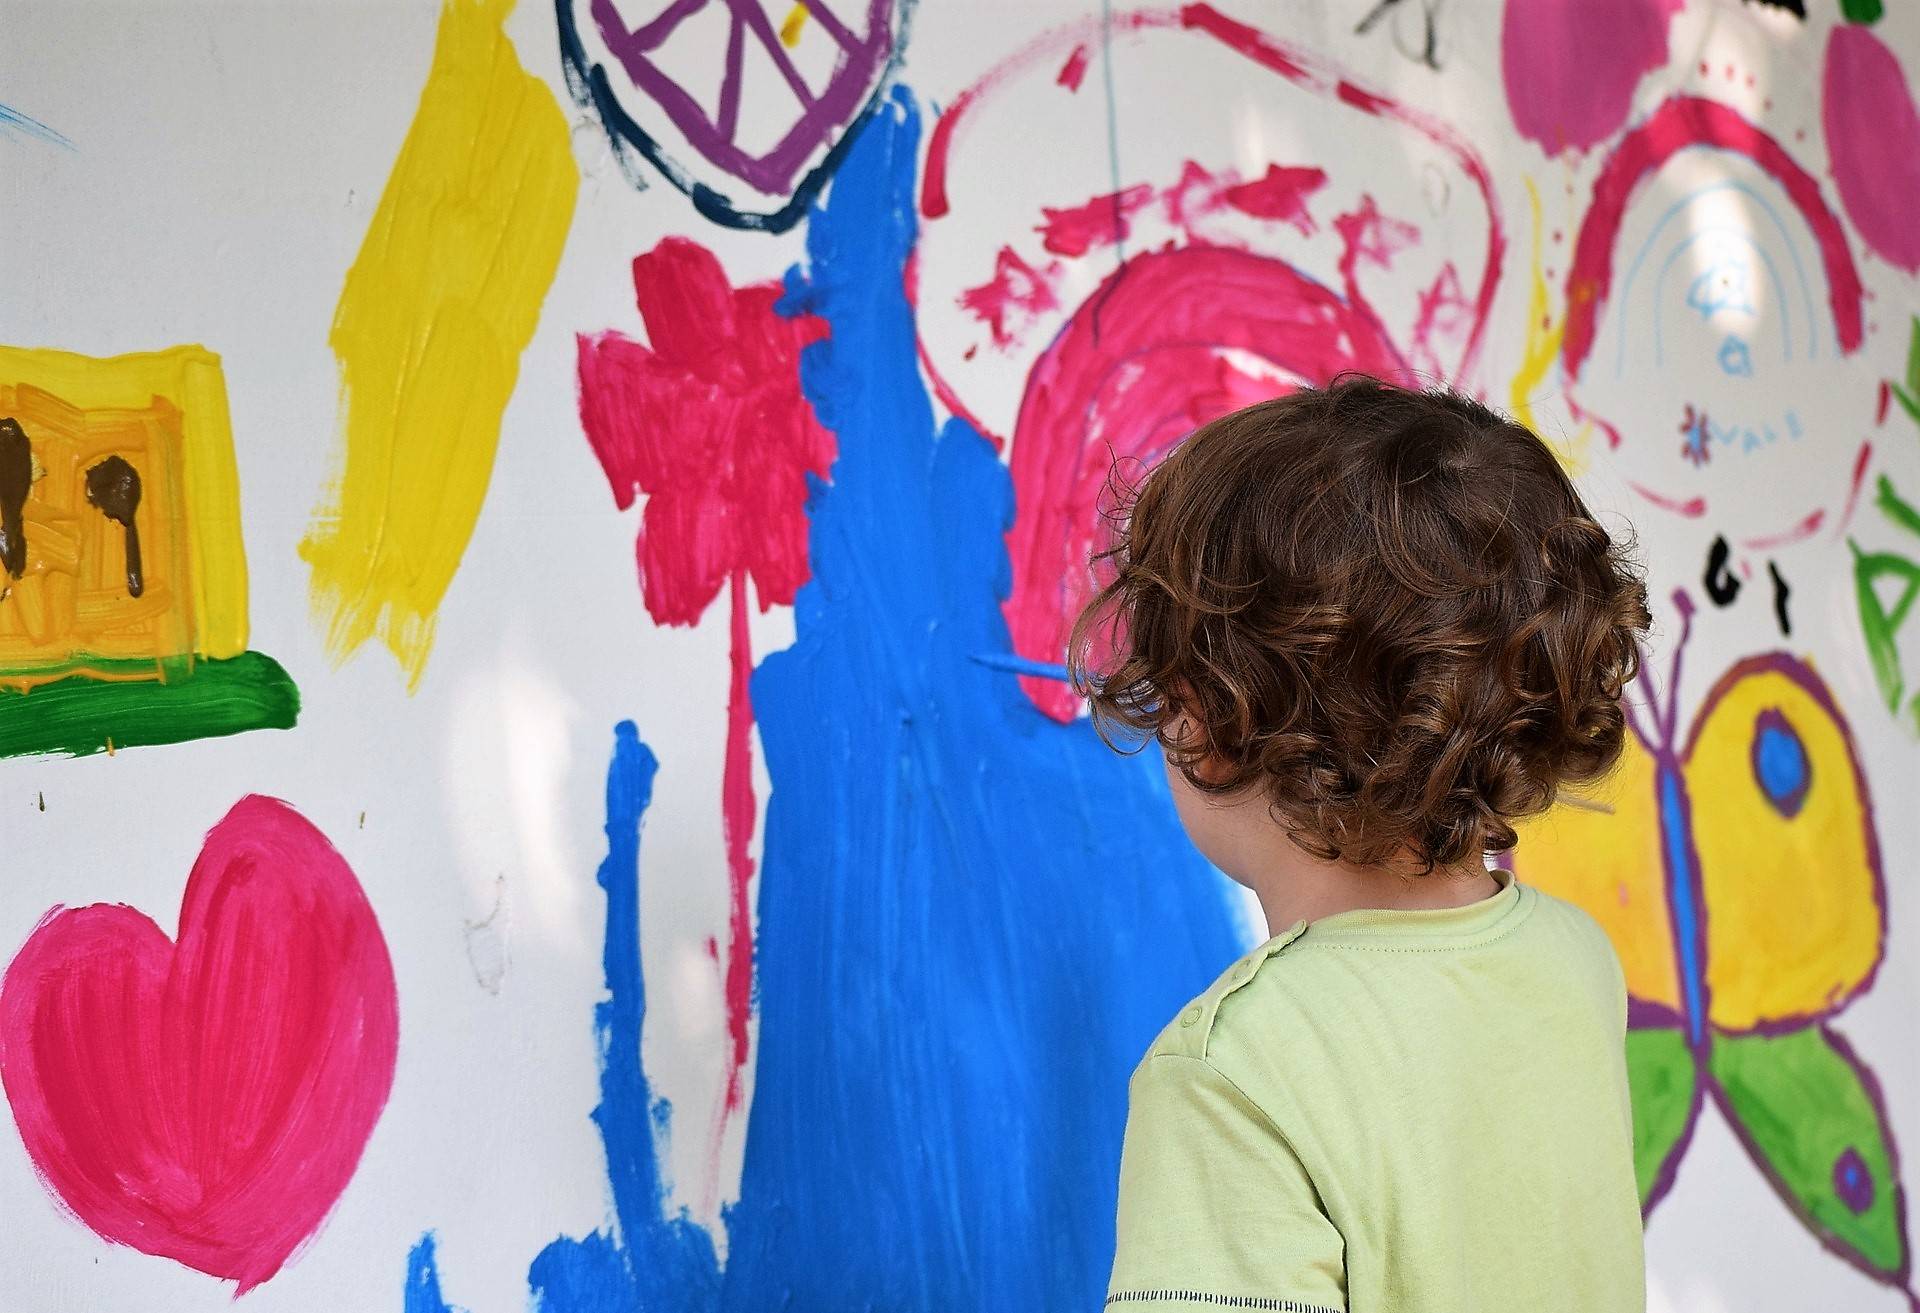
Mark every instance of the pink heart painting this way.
pixel 207 1100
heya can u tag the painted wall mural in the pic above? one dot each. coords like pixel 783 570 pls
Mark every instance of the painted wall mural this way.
pixel 115 639
pixel 432 320
pixel 206 1097
pixel 721 902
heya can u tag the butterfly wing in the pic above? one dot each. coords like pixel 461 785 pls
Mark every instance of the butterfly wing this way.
pixel 1600 849
pixel 1790 877
pixel 1789 862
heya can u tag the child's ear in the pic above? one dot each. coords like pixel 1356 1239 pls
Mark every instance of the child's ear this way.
pixel 1184 732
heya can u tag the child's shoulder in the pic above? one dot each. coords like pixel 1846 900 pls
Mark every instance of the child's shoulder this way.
pixel 1187 1035
pixel 1277 983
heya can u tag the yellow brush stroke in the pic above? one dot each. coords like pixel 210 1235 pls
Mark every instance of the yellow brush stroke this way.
pixel 1544 335
pixel 435 312
pixel 1601 851
pixel 1793 923
pixel 790 26
pixel 167 412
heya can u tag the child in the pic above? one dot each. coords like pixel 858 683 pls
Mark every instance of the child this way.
pixel 1370 627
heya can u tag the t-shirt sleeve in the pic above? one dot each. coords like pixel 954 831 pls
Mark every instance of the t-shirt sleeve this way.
pixel 1216 1211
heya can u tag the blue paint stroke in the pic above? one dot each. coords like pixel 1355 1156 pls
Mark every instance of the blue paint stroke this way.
pixel 423 1280
pixel 1676 828
pixel 1793 251
pixel 1014 664
pixel 12 121
pixel 971 921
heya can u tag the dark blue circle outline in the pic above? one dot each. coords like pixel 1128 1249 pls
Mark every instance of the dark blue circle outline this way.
pixel 592 89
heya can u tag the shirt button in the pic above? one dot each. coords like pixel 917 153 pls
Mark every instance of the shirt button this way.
pixel 1190 1016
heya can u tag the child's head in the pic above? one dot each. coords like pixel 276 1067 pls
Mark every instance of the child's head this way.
pixel 1389 610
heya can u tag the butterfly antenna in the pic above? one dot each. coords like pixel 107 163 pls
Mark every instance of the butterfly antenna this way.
pixel 1682 603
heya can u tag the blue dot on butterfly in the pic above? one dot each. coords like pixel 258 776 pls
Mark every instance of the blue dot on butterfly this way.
pixel 1780 764
pixel 1735 358
pixel 1852 1181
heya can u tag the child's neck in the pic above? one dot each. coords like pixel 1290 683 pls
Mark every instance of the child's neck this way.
pixel 1293 886
pixel 1240 834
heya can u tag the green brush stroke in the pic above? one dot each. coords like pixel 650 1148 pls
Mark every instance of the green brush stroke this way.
pixel 76 716
pixel 1860 11
pixel 1660 1071
pixel 1879 625
pixel 1802 1105
pixel 1909 396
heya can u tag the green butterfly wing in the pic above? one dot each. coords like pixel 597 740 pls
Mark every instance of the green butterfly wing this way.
pixel 1810 1114
pixel 1665 1097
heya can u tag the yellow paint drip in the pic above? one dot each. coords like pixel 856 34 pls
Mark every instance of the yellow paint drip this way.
pixel 1544 334
pixel 790 26
pixel 435 312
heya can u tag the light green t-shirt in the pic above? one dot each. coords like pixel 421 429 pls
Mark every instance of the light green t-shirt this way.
pixel 1391 1112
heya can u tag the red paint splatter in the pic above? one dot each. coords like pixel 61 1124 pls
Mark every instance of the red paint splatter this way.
pixel 1571 66
pixel 1196 193
pixel 709 421
pixel 1015 285
pixel 1075 230
pixel 1371 236
pixel 933 184
pixel 1270 54
pixel 207 1099
pixel 1693 507
pixel 1873 138
pixel 1808 526
pixel 1279 194
pixel 1444 312
pixel 1880 408
pixel 1860 462
pixel 1156 367
pixel 1360 98
pixel 1074 70
pixel 1249 41
pixel 1681 122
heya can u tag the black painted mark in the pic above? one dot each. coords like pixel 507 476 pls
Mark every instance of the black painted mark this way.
pixel 1780 594
pixel 16 481
pixel 1721 583
pixel 1428 53
pixel 114 487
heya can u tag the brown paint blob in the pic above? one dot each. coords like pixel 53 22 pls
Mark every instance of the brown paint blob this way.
pixel 16 481
pixel 114 487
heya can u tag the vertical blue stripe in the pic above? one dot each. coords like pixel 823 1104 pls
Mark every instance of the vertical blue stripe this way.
pixel 1683 894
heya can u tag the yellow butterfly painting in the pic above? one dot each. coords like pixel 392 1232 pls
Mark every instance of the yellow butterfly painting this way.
pixel 1738 873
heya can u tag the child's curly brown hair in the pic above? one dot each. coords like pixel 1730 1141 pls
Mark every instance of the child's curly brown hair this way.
pixel 1388 608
